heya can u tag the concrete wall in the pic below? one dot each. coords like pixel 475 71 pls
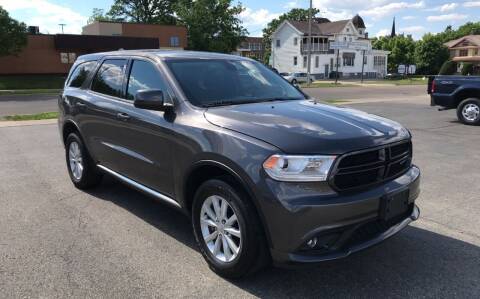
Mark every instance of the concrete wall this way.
pixel 162 32
pixel 103 28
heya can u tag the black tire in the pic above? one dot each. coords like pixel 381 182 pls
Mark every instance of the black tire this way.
pixel 90 176
pixel 294 81
pixel 253 254
pixel 472 102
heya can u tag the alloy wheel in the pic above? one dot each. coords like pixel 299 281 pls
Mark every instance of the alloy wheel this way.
pixel 76 160
pixel 471 112
pixel 220 229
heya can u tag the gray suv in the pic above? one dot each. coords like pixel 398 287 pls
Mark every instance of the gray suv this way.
pixel 265 173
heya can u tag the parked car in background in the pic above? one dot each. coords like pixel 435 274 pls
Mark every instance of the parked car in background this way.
pixel 457 92
pixel 264 173
pixel 295 78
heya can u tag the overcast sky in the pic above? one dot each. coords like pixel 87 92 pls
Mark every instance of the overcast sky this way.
pixel 414 17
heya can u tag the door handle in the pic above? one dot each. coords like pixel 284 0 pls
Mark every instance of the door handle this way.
pixel 123 116
pixel 80 104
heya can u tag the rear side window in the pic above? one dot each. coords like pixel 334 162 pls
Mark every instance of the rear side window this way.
pixel 144 76
pixel 81 73
pixel 109 78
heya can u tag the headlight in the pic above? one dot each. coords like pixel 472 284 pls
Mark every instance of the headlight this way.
pixel 298 168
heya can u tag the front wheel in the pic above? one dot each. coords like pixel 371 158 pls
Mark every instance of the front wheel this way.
pixel 227 230
pixel 468 112
pixel 294 81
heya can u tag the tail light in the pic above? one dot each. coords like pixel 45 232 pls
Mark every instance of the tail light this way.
pixel 432 90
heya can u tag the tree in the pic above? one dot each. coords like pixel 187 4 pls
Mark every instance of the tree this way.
pixel 213 25
pixel 401 47
pixel 430 54
pixel 143 11
pixel 13 34
pixel 296 14
pixel 99 15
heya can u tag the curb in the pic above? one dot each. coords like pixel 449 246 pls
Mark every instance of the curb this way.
pixel 22 123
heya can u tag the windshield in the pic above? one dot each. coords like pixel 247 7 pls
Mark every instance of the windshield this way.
pixel 216 82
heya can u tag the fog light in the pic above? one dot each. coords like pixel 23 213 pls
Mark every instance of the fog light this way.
pixel 312 242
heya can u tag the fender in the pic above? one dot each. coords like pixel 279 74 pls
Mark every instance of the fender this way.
pixel 237 174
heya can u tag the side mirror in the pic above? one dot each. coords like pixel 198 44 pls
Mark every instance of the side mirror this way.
pixel 151 99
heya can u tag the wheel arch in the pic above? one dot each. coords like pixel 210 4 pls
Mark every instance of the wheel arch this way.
pixel 216 169
pixel 69 127
pixel 466 93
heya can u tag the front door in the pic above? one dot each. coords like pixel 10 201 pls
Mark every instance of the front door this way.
pixel 326 71
pixel 145 137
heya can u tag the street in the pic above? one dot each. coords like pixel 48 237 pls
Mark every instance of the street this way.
pixel 57 241
pixel 31 104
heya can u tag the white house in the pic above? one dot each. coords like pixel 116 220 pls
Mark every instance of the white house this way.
pixel 289 49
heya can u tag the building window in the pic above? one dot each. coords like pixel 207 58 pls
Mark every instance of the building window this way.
pixel 348 59
pixel 317 61
pixel 294 60
pixel 379 60
pixel 278 43
pixel 304 61
pixel 475 52
pixel 174 41
pixel 295 41
pixel 345 39
pixel 365 59
pixel 463 53
pixel 348 29
pixel 360 31
pixel 68 57
pixel 331 64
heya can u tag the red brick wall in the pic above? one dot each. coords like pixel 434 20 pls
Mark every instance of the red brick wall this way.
pixel 38 57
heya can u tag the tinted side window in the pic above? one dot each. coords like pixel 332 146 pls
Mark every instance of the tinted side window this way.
pixel 81 73
pixel 109 77
pixel 144 75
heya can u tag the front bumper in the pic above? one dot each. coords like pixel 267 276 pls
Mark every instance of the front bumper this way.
pixel 342 223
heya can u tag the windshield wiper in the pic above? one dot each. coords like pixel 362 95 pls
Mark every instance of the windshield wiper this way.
pixel 227 103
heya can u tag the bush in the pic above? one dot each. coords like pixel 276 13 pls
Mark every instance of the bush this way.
pixel 467 69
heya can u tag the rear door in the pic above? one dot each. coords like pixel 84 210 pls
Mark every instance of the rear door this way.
pixel 99 122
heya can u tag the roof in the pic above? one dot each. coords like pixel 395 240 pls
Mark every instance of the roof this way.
pixel 325 28
pixel 251 39
pixel 474 39
pixel 358 22
pixel 163 54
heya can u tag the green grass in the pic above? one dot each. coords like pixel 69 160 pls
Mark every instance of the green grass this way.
pixel 325 85
pixel 410 81
pixel 10 82
pixel 39 116
pixel 30 91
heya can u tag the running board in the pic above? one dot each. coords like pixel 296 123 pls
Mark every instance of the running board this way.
pixel 141 187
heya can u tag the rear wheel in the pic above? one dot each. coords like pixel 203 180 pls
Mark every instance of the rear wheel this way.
pixel 227 230
pixel 82 170
pixel 468 112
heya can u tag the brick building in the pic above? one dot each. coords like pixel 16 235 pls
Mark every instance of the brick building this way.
pixel 54 54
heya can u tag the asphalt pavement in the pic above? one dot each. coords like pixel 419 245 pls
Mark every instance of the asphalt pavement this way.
pixel 27 104
pixel 57 241
pixel 31 104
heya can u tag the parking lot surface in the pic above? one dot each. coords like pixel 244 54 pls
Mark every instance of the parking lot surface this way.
pixel 57 241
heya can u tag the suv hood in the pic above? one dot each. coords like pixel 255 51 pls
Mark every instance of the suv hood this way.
pixel 306 127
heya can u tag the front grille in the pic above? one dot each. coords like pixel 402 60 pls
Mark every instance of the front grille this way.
pixel 370 167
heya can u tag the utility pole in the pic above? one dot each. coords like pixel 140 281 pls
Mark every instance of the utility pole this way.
pixel 363 63
pixel 309 43
pixel 337 63
pixel 62 25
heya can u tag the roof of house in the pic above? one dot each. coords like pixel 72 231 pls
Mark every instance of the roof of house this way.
pixel 474 39
pixel 252 39
pixel 323 26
